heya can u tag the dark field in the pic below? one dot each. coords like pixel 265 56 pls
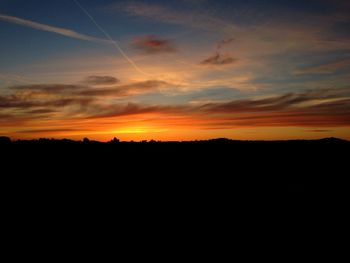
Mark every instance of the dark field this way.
pixel 203 192
pixel 203 188
pixel 215 167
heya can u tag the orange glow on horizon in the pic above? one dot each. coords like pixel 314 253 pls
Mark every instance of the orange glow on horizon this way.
pixel 164 127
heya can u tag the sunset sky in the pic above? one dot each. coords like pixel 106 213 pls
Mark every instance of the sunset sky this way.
pixel 175 70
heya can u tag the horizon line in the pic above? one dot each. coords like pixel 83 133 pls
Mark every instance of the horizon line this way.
pixel 115 139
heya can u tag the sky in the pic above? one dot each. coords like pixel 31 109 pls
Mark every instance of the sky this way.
pixel 175 70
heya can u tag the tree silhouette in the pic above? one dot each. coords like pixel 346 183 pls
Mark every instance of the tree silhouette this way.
pixel 115 140
pixel 5 140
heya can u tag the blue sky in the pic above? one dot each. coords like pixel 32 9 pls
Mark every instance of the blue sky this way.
pixel 184 54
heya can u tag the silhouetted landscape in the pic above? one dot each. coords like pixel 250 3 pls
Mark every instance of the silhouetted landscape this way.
pixel 206 171
pixel 173 71
pixel 173 80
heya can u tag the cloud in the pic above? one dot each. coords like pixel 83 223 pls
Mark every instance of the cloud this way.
pixel 308 100
pixel 39 93
pixel 152 44
pixel 316 117
pixel 5 116
pixel 128 89
pixel 43 98
pixel 101 80
pixel 224 42
pixel 103 92
pixel 327 68
pixel 42 111
pixel 201 20
pixel 76 103
pixel 319 130
pixel 52 29
pixel 149 85
pixel 323 108
pixel 58 130
pixel 13 102
pixel 135 109
pixel 48 88
pixel 58 99
pixel 218 60
pixel 259 105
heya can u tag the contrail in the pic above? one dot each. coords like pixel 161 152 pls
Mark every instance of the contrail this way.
pixel 52 29
pixel 115 43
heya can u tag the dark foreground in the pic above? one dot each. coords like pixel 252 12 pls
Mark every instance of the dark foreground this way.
pixel 192 193
pixel 212 169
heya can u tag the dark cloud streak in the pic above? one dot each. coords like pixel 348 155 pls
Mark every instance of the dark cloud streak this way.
pixel 152 44
pixel 218 60
pixel 126 90
pixel 101 80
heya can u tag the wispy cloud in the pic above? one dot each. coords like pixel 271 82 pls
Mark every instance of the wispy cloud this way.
pixel 17 102
pixel 130 109
pixel 327 68
pixel 38 95
pixel 310 109
pixel 46 131
pixel 101 80
pixel 52 29
pixel 317 108
pixel 152 44
pixel 310 99
pixel 127 89
pixel 218 60
pixel 224 42
pixel 200 20
pixel 323 108
pixel 319 130
pixel 47 88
